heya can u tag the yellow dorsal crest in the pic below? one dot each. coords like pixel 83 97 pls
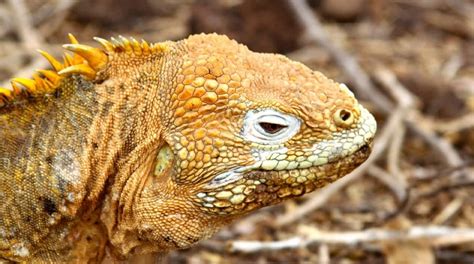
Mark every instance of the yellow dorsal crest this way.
pixel 86 61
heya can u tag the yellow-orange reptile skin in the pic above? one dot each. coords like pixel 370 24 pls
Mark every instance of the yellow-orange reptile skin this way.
pixel 134 148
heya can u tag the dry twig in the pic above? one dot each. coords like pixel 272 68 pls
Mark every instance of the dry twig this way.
pixel 433 235
pixel 463 122
pixel 390 181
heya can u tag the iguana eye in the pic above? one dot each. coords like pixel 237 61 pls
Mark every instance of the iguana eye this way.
pixel 269 126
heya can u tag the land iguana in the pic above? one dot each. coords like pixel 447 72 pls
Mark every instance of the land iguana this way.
pixel 134 148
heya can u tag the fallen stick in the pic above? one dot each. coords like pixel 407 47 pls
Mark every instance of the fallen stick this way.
pixel 433 235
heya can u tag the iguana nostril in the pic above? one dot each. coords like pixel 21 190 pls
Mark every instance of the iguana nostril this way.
pixel 345 115
pixel 343 118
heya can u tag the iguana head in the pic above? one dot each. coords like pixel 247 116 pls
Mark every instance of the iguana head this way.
pixel 250 129
pixel 246 130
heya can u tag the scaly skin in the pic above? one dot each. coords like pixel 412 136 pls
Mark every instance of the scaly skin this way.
pixel 138 148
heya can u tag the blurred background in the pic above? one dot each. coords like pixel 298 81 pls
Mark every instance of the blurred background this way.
pixel 411 63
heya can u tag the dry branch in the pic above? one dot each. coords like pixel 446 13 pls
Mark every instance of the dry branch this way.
pixel 463 122
pixel 400 190
pixel 433 235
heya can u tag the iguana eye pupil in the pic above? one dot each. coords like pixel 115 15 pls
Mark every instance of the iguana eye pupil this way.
pixel 271 128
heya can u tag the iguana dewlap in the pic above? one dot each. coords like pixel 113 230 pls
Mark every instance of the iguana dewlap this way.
pixel 135 147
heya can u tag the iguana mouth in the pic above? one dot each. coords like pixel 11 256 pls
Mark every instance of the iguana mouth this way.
pixel 364 151
pixel 258 188
pixel 336 168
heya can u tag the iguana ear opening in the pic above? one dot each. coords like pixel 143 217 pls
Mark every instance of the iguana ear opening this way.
pixel 164 161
